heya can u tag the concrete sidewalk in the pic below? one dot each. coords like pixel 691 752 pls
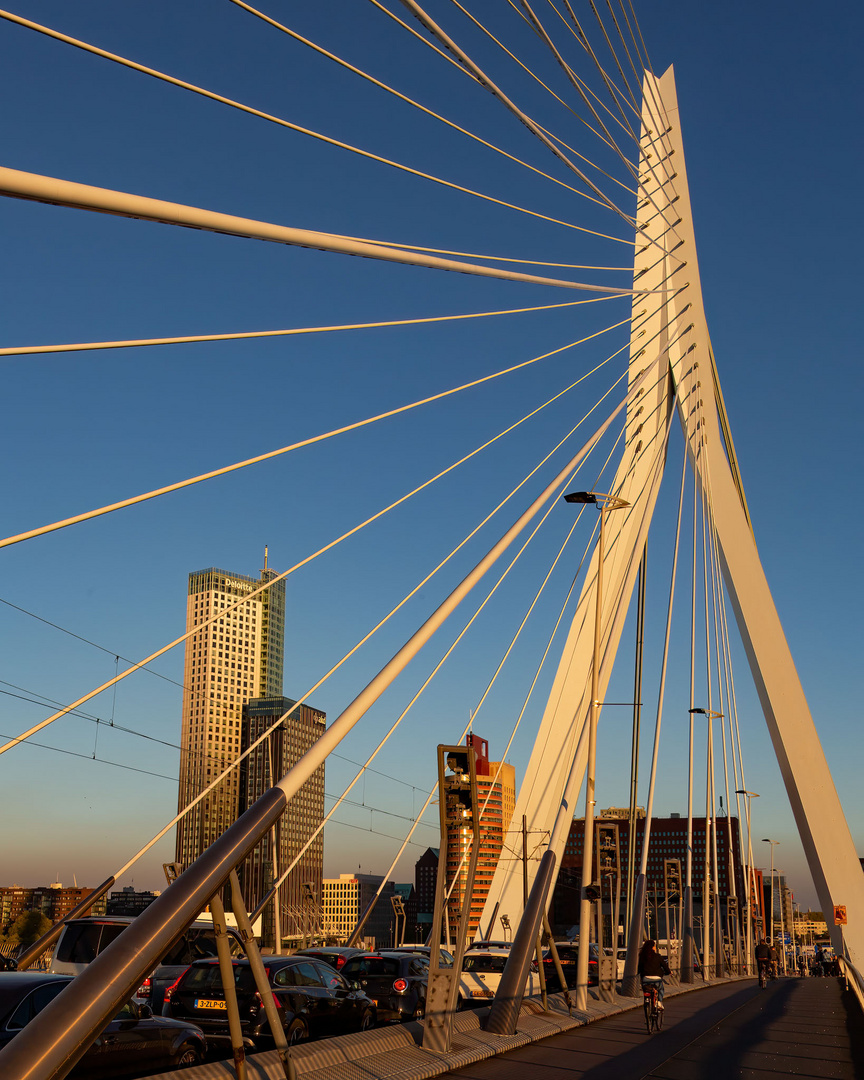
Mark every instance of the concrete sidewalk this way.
pixel 395 1053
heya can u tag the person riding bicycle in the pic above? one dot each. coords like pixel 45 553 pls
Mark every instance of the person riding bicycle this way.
pixel 652 967
pixel 763 957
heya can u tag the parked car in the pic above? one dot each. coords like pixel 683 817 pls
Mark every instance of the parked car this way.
pixel 313 1000
pixel 334 955
pixel 81 941
pixel 396 982
pixel 482 970
pixel 568 954
pixel 134 1043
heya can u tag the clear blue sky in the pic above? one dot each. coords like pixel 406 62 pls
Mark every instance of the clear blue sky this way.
pixel 770 101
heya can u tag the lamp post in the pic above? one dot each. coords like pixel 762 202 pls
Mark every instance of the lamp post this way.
pixel 773 844
pixel 604 503
pixel 748 795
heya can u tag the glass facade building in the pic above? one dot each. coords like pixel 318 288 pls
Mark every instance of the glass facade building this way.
pixel 265 765
pixel 235 652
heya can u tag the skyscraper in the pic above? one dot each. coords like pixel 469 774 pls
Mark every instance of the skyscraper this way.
pixel 235 653
pixel 287 743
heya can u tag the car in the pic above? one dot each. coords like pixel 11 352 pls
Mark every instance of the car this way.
pixel 490 944
pixel 619 961
pixel 568 954
pixel 313 1000
pixel 81 941
pixel 134 1043
pixel 334 955
pixel 395 981
pixel 482 970
pixel 445 960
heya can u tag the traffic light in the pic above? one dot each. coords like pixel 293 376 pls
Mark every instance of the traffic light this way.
pixel 592 892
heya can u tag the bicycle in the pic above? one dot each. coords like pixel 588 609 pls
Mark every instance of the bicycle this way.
pixel 763 974
pixel 653 1011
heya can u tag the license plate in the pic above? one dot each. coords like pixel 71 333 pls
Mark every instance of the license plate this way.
pixel 206 1003
pixel 482 993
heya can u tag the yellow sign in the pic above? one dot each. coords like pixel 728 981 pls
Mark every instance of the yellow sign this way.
pixel 839 915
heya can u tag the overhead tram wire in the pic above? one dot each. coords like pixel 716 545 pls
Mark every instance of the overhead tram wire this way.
pixel 404 653
pixel 78 637
pixel 32 697
pixel 295 567
pixel 173 779
pixel 201 477
pixel 84 346
pixel 297 128
pixel 410 101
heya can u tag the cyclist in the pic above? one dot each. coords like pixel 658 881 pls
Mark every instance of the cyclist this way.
pixel 652 967
pixel 763 958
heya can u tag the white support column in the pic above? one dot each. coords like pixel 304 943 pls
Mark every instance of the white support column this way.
pixel 557 766
pixel 828 845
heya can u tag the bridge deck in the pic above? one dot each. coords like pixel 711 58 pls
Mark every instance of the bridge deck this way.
pixel 796 1027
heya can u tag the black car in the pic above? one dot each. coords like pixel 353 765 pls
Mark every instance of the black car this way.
pixel 334 955
pixel 396 983
pixel 312 999
pixel 134 1043
pixel 568 953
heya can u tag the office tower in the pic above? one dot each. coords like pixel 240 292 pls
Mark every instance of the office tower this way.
pixel 235 653
pixel 494 822
pixel 263 767
pixel 344 899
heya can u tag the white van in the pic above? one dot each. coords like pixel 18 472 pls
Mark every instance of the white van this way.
pixel 81 941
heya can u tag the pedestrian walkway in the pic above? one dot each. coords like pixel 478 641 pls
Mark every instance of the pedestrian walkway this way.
pixel 807 1028
pixel 727 1030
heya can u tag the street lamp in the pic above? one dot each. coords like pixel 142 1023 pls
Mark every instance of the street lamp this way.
pixel 605 503
pixel 748 795
pixel 773 844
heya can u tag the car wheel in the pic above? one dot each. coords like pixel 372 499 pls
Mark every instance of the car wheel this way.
pixel 367 1021
pixel 296 1032
pixel 186 1056
pixel 460 1003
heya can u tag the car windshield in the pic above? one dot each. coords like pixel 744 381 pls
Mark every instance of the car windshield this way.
pixel 371 966
pixel 83 942
pixel 208 977
pixel 479 962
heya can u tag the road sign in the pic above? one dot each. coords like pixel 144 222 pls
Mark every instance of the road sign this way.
pixel 839 915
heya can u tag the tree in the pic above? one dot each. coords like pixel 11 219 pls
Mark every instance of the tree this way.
pixel 27 928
